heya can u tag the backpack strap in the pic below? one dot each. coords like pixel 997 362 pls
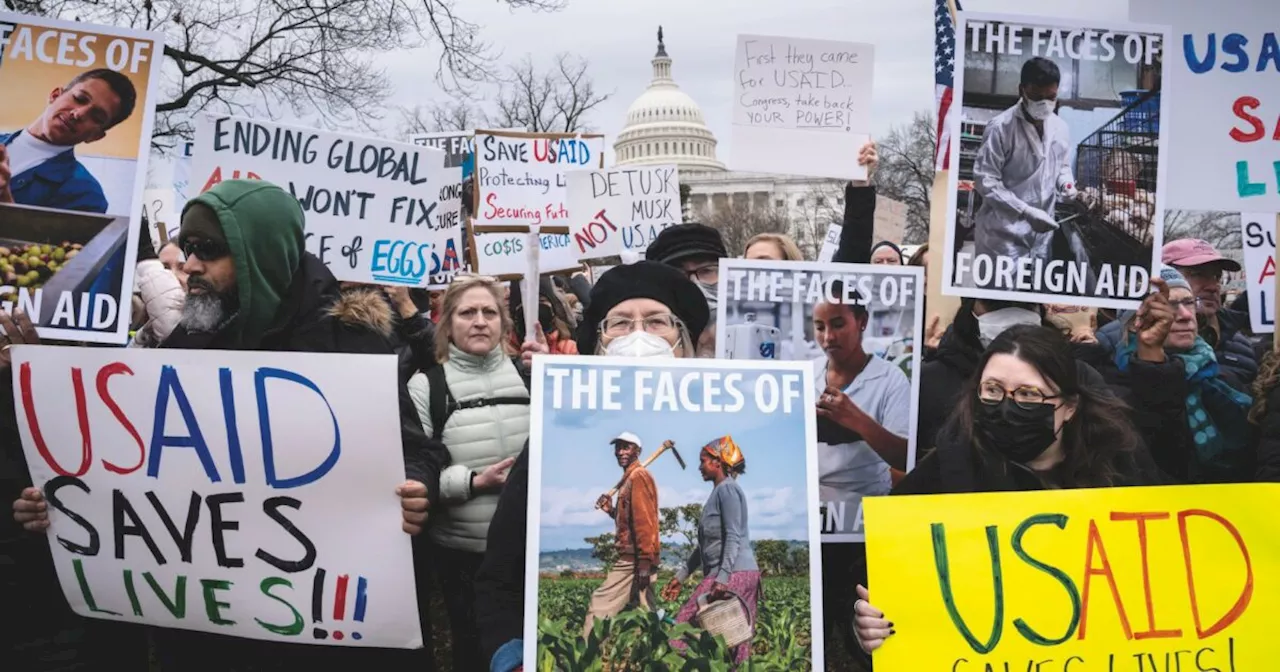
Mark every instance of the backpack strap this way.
pixel 525 374
pixel 439 401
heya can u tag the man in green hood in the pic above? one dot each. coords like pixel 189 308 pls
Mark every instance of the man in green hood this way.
pixel 251 285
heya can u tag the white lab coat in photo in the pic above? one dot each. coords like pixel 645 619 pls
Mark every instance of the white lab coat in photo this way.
pixel 1015 169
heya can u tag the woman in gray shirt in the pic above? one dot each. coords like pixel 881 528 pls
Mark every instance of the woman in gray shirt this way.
pixel 724 550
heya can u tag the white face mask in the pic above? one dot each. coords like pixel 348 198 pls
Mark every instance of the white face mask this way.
pixel 996 322
pixel 640 343
pixel 1039 109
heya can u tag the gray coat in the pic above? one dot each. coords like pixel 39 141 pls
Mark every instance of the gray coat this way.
pixel 724 539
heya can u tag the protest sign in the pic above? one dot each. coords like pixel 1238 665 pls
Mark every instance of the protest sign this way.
pixel 830 243
pixel 520 177
pixel 838 318
pixel 756 417
pixel 75 136
pixel 377 212
pixel 1258 230
pixel 1224 104
pixel 458 146
pixel 503 254
pixel 158 204
pixel 811 96
pixel 240 493
pixel 1116 580
pixel 1067 208
pixel 621 208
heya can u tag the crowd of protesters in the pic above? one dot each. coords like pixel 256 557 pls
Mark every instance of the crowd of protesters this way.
pixel 1176 392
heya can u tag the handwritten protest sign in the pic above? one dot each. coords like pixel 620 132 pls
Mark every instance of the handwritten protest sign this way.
pixel 1258 230
pixel 621 209
pixel 241 493
pixel 1223 78
pixel 1119 580
pixel 811 96
pixel 830 243
pixel 520 177
pixel 72 220
pixel 757 416
pixel 458 146
pixel 1059 218
pixel 377 212
pixel 796 311
pixel 160 212
pixel 503 254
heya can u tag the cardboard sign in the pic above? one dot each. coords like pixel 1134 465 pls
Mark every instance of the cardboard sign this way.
pixel 1224 87
pixel 377 212
pixel 830 243
pixel 1113 579
pixel 505 255
pixel 621 209
pixel 757 416
pixel 811 96
pixel 520 177
pixel 1074 216
pixel 1258 230
pixel 239 493
pixel 70 237
pixel 774 310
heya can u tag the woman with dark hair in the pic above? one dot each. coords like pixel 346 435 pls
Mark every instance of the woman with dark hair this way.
pixel 723 553
pixel 1025 421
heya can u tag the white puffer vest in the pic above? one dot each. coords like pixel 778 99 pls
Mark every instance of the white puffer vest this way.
pixel 476 438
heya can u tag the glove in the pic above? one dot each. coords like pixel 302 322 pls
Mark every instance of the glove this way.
pixel 1070 192
pixel 1040 221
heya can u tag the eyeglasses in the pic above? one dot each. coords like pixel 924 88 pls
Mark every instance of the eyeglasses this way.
pixel 1192 302
pixel 204 250
pixel 659 325
pixel 991 393
pixel 707 275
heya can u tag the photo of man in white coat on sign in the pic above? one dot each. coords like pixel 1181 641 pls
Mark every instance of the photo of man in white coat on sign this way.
pixel 1021 170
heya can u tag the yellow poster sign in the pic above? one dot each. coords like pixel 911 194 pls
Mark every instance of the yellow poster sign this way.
pixel 1171 579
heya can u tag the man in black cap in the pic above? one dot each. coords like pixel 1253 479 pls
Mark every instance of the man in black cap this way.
pixel 696 250
pixel 643 298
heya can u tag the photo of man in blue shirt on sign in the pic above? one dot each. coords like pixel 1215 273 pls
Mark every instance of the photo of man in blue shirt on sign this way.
pixel 38 164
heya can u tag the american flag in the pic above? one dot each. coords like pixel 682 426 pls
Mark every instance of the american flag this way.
pixel 944 61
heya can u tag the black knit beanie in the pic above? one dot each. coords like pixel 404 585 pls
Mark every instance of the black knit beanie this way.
pixel 643 280
pixel 684 241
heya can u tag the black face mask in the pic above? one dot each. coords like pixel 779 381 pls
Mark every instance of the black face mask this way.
pixel 1020 434
pixel 546 317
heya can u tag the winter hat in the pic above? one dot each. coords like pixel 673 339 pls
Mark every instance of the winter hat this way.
pixel 682 241
pixel 643 280
pixel 890 245
pixel 202 222
pixel 1173 278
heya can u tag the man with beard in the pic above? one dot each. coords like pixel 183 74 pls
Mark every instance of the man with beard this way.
pixel 252 286
pixel 630 580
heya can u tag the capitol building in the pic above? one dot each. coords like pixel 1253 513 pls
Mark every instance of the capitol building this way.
pixel 665 126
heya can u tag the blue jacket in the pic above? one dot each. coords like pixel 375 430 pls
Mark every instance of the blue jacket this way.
pixel 61 182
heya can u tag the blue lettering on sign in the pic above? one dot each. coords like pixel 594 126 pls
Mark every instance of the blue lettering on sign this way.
pixel 403 262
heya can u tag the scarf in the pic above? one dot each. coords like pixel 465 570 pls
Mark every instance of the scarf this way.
pixel 1215 410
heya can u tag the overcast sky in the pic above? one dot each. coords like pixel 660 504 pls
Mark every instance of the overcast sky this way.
pixel 619 40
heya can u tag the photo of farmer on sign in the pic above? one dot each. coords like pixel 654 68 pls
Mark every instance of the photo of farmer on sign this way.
pixel 75 129
pixel 671 518
pixel 1056 194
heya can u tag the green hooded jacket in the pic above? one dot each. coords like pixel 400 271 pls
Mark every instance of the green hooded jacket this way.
pixel 263 225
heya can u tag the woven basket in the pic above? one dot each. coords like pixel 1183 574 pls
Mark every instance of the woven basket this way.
pixel 727 618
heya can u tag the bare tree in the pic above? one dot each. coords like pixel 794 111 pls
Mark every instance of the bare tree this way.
pixel 555 100
pixel 1220 229
pixel 307 56
pixel 819 208
pixel 906 171
pixel 450 116
pixel 738 222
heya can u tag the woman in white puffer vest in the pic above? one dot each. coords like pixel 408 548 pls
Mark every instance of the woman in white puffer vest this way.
pixel 482 417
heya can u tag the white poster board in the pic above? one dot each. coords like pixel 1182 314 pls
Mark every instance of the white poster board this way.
pixel 782 310
pixel 71 225
pixel 505 254
pixel 1223 78
pixel 621 208
pixel 377 212
pixel 520 177
pixel 580 405
pixel 812 97
pixel 831 243
pixel 1087 229
pixel 240 493
pixel 1258 230
pixel 160 213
